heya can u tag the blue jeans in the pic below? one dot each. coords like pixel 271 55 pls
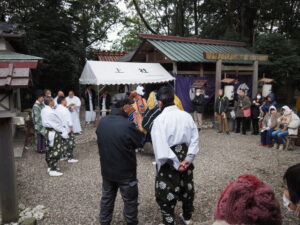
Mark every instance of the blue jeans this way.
pixel 279 135
pixel 266 137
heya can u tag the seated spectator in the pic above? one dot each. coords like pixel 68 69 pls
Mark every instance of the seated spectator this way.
pixel 288 125
pixel 291 195
pixel 268 125
pixel 246 201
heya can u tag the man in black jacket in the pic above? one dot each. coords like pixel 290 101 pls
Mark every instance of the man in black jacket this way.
pixel 117 140
pixel 221 108
pixel 198 106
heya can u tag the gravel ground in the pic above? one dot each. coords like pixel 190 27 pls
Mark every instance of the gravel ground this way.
pixel 73 199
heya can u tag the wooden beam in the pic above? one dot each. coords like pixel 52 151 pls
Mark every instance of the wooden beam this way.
pixel 19 64
pixel 218 77
pixel 237 68
pixel 255 79
pixel 193 72
pixel 186 72
pixel 233 56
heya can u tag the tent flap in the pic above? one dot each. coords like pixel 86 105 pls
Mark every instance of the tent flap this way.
pixel 116 73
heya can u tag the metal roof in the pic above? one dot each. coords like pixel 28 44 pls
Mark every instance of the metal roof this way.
pixel 178 51
pixel 10 55
pixel 192 39
pixel 127 58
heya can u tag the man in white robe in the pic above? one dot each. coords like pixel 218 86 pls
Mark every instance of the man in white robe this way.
pixel 65 115
pixel 175 142
pixel 56 132
pixel 74 103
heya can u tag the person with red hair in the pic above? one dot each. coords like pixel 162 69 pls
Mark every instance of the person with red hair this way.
pixel 247 201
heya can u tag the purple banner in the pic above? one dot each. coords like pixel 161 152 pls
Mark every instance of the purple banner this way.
pixel 184 83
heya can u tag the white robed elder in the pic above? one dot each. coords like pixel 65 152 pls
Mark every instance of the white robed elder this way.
pixel 170 128
pixel 74 103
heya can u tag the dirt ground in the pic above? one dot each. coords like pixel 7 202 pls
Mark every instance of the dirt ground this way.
pixel 73 199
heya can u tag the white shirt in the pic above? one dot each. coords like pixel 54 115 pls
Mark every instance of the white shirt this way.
pixel 173 127
pixel 51 120
pixel 65 115
pixel 55 101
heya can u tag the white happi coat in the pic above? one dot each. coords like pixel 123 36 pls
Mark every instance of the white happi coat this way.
pixel 170 128
pixel 65 115
pixel 75 113
pixel 51 120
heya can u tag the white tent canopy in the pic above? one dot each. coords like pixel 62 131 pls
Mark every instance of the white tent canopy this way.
pixel 116 73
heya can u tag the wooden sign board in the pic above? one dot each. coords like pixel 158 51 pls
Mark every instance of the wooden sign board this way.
pixel 233 56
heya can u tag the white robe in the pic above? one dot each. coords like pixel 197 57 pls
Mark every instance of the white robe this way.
pixel 90 116
pixel 75 113
pixel 173 127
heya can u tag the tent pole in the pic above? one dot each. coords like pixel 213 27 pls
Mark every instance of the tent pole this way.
pixel 98 96
pixel 99 90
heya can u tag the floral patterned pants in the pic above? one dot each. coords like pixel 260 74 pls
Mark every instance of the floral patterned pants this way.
pixel 53 154
pixel 69 145
pixel 172 186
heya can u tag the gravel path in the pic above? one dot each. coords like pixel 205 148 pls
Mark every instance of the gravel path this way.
pixel 73 199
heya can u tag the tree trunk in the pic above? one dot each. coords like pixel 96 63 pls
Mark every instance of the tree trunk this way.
pixel 181 18
pixel 138 10
pixel 196 16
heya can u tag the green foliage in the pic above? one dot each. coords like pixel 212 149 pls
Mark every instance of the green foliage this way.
pixel 62 32
pixel 283 55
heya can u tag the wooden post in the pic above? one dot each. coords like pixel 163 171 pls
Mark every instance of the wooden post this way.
pixel 201 70
pixel 174 68
pixel 8 189
pixel 255 79
pixel 218 77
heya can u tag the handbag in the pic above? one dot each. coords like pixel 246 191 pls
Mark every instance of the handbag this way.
pixel 247 112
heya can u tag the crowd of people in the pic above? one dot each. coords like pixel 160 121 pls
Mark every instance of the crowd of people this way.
pixel 129 120
pixel 175 139
pixel 56 121
pixel 273 125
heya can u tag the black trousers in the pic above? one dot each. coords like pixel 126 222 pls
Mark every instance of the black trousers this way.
pixel 129 193
pixel 255 126
pixel 241 121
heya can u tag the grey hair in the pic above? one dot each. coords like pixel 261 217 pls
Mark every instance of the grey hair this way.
pixel 47 100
